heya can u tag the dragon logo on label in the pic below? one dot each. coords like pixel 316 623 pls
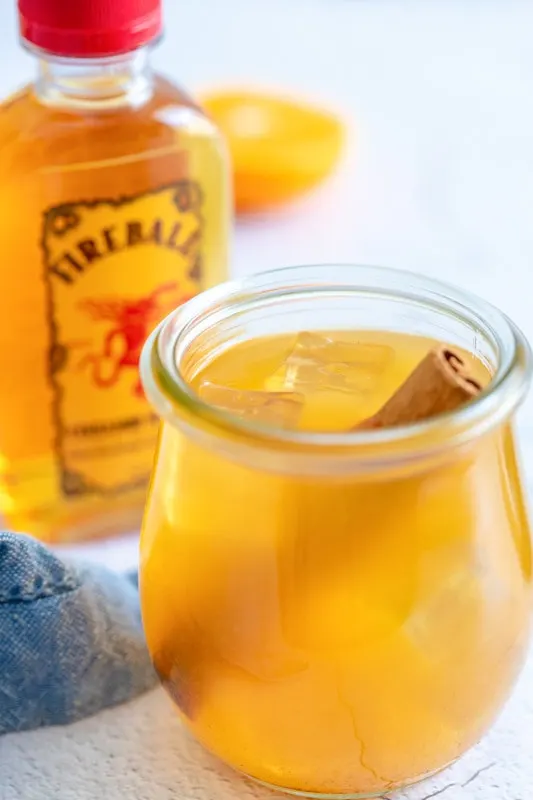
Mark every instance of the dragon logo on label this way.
pixel 132 321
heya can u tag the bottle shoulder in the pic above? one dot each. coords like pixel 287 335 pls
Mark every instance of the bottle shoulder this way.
pixel 175 108
pixel 34 132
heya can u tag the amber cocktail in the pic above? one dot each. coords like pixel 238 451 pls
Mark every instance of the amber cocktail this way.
pixel 335 611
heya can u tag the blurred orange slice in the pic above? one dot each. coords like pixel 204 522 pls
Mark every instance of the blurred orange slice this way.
pixel 280 148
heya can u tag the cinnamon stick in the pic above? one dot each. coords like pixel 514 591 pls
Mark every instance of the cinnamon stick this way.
pixel 441 382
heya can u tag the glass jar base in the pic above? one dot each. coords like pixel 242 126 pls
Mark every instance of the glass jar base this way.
pixel 383 793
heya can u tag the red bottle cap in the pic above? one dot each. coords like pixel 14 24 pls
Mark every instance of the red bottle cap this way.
pixel 89 28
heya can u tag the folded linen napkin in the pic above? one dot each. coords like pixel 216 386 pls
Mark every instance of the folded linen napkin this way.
pixel 71 640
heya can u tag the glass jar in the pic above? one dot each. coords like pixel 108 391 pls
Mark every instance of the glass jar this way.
pixel 336 614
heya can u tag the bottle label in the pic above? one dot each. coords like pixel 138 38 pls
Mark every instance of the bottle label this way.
pixel 113 269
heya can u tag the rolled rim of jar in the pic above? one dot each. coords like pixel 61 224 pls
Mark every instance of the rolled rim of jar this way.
pixel 171 357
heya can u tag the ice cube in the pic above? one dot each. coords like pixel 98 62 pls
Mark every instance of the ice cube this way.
pixel 318 362
pixel 450 614
pixel 276 408
pixel 456 630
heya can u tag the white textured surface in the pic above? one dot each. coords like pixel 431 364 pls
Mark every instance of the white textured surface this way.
pixel 141 752
pixel 439 179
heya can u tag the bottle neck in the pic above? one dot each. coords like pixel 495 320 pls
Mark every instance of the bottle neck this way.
pixel 111 82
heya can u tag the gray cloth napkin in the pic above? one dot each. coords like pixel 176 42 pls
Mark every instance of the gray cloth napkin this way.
pixel 71 640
